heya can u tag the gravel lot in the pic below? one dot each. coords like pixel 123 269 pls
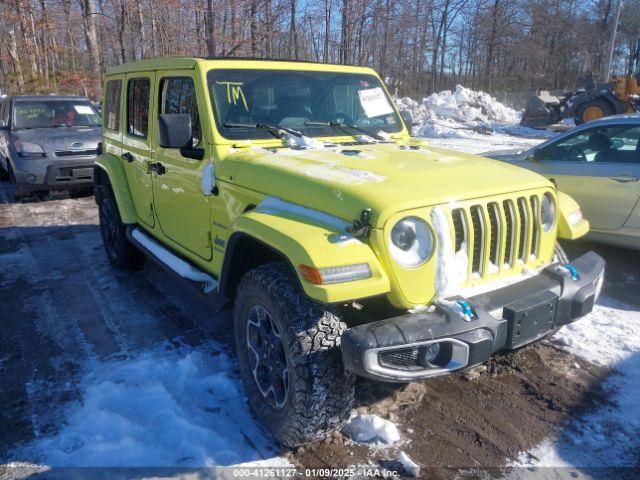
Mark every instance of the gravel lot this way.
pixel 65 315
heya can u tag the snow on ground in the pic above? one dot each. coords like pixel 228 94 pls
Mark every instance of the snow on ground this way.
pixel 369 428
pixel 173 408
pixel 608 436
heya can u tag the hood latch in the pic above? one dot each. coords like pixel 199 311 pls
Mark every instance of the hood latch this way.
pixel 361 227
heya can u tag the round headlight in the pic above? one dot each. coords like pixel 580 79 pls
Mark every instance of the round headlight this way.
pixel 411 242
pixel 548 212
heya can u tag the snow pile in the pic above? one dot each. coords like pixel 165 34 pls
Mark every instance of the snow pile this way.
pixel 463 113
pixel 301 141
pixel 608 436
pixel 451 267
pixel 370 428
pixel 164 408
pixel 409 466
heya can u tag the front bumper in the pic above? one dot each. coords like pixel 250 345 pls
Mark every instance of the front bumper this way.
pixel 54 174
pixel 399 349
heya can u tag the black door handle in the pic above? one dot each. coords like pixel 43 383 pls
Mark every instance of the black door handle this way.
pixel 157 168
pixel 127 156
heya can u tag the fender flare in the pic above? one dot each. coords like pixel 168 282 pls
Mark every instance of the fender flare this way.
pixel 566 230
pixel 298 242
pixel 110 166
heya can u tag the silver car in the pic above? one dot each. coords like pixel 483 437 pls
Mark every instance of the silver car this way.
pixel 48 143
pixel 598 164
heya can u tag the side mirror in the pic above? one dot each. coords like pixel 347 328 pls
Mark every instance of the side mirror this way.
pixel 407 118
pixel 174 130
pixel 535 156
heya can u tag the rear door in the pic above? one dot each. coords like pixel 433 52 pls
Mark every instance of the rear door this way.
pixel 182 209
pixel 136 143
pixel 112 122
pixel 599 168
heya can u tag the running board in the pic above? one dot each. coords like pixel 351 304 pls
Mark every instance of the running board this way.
pixel 170 262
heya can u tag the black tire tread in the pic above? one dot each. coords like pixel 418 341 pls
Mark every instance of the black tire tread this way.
pixel 128 257
pixel 323 392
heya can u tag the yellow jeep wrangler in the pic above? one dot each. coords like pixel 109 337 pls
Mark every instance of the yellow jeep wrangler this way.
pixel 349 247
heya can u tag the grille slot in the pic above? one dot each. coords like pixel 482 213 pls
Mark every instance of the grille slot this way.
pixel 401 359
pixel 479 231
pixel 524 229
pixel 510 222
pixel 535 235
pixel 496 233
pixel 459 228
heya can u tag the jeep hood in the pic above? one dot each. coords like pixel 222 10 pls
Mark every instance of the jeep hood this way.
pixel 387 178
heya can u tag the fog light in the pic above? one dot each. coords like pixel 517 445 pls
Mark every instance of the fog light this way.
pixel 31 178
pixel 429 354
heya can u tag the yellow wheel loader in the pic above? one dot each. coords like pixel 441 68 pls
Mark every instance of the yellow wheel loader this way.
pixel 619 95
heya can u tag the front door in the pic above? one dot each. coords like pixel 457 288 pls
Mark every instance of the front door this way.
pixel 600 169
pixel 182 208
pixel 136 151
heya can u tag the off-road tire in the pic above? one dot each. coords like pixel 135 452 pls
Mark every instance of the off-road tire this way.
pixel 122 254
pixel 320 391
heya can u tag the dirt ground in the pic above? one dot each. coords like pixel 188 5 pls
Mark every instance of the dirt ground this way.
pixel 77 309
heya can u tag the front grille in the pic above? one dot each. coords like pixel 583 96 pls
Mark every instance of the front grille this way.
pixel 401 359
pixel 500 234
pixel 76 153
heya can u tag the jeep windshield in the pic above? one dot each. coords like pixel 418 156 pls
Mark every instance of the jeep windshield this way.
pixel 48 113
pixel 307 101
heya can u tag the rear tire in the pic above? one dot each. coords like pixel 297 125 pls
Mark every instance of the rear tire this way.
pixel 122 254
pixel 288 350
pixel 593 110
pixel 4 175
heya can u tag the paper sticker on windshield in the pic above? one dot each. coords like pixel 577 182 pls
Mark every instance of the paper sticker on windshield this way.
pixel 374 102
pixel 83 109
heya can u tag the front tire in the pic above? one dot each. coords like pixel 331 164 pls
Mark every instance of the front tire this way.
pixel 594 110
pixel 122 254
pixel 288 351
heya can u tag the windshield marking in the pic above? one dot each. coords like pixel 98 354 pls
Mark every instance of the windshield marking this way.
pixel 235 93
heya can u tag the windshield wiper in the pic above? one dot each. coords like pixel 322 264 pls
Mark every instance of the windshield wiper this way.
pixel 343 126
pixel 274 130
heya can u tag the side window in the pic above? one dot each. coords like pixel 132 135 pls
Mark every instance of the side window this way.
pixel 619 144
pixel 112 105
pixel 138 107
pixel 178 95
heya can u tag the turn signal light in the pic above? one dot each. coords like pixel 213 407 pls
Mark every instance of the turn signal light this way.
pixel 327 275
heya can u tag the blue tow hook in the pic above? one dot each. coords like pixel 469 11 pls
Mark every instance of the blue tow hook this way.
pixel 467 311
pixel 574 273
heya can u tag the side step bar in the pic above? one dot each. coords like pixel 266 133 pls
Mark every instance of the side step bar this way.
pixel 170 262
